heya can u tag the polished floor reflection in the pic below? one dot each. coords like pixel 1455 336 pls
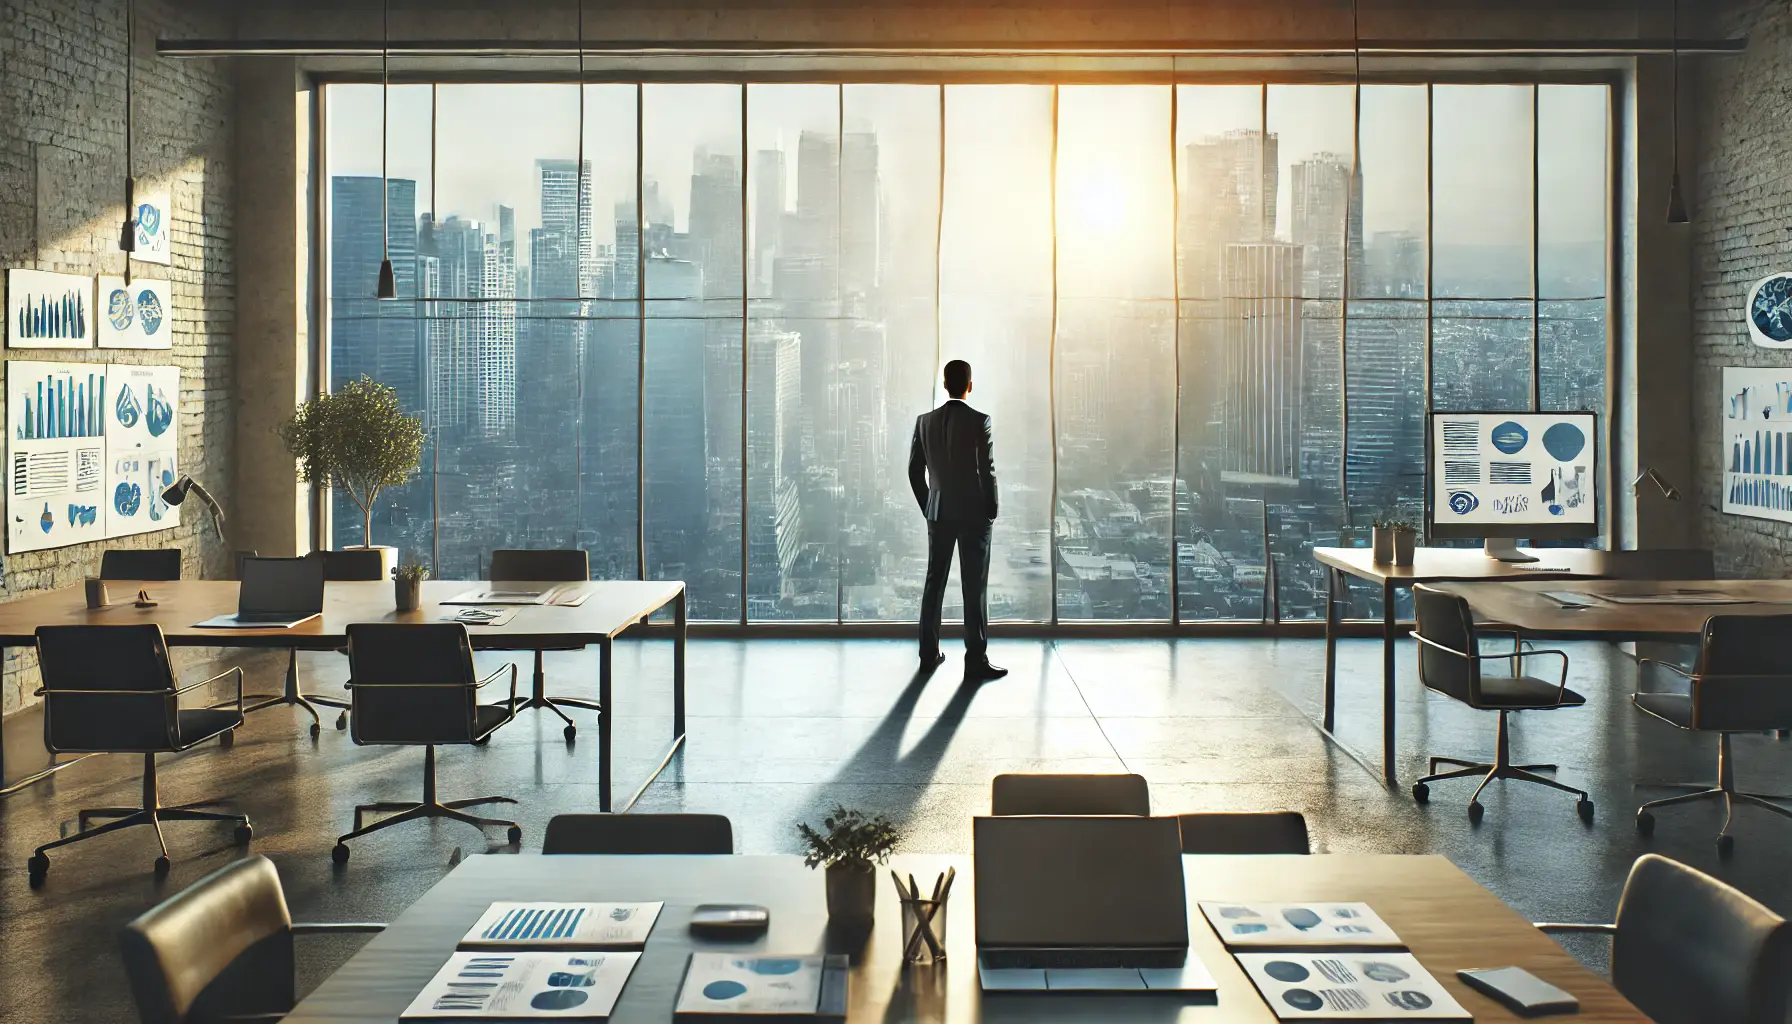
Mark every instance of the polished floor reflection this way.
pixel 781 729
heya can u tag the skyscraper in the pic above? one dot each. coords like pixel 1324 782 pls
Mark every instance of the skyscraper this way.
pixel 1262 359
pixel 496 337
pixel 1320 198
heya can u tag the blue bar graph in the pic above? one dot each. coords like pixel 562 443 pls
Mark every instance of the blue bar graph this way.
pixel 63 406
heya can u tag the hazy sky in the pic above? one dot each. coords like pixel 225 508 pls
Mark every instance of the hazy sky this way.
pixel 489 137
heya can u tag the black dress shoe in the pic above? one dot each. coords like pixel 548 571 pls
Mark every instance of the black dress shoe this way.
pixel 984 671
pixel 929 662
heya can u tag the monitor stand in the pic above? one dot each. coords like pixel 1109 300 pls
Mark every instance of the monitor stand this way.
pixel 1505 549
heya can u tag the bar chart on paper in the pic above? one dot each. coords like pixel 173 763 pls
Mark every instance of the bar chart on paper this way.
pixel 1757 457
pixel 62 405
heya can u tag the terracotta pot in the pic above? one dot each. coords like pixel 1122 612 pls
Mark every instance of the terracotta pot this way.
pixel 1382 540
pixel 1404 543
pixel 407 594
pixel 852 893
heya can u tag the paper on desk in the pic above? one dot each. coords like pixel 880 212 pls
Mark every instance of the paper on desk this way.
pixel 556 925
pixel 524 986
pixel 1349 986
pixel 1299 925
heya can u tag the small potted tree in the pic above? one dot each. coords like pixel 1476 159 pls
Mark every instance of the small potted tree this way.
pixel 1394 539
pixel 407 586
pixel 850 845
pixel 357 439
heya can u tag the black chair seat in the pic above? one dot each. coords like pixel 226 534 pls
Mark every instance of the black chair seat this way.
pixel 1524 693
pixel 202 724
pixel 1674 708
pixel 486 719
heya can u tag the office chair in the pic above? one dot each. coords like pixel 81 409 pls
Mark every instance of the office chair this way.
pixel 158 565
pixel 1739 683
pixel 1265 832
pixel 1069 794
pixel 413 684
pixel 1450 663
pixel 1659 564
pixel 111 689
pixel 1689 949
pixel 220 949
pixel 360 565
pixel 289 693
pixel 546 565
pixel 638 833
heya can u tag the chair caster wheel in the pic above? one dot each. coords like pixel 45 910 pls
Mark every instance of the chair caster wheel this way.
pixel 342 721
pixel 243 834
pixel 1421 793
pixel 227 739
pixel 570 732
pixel 163 864
pixel 316 730
pixel 515 835
pixel 339 855
pixel 1645 824
pixel 1726 845
pixel 1584 807
pixel 38 866
pixel 1476 811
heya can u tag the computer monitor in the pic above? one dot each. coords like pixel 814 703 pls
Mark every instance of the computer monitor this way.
pixel 1506 476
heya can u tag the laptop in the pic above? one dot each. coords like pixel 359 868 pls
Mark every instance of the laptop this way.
pixel 1085 904
pixel 276 593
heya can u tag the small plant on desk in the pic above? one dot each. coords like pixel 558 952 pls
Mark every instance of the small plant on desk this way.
pixel 1394 538
pixel 850 845
pixel 407 585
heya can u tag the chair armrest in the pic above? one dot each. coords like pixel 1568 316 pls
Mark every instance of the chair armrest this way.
pixel 337 927
pixel 238 672
pixel 1686 674
pixel 511 668
pixel 1575 928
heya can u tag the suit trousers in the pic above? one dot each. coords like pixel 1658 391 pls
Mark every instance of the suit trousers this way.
pixel 971 538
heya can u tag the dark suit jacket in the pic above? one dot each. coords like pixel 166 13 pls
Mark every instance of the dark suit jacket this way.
pixel 950 464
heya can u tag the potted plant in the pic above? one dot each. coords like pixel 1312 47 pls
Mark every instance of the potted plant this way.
pixel 1381 538
pixel 407 586
pixel 359 440
pixel 850 845
pixel 1393 538
pixel 1406 539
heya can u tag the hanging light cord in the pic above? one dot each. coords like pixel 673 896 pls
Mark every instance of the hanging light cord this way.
pixel 128 235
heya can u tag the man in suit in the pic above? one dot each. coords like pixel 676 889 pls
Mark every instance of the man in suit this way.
pixel 953 475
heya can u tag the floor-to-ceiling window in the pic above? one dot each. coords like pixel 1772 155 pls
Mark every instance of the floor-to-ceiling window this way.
pixel 687 326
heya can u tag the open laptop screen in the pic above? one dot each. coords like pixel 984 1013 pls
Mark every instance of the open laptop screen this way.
pixel 281 586
pixel 1075 882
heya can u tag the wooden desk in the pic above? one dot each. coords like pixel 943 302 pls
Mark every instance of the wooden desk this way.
pixel 1448 921
pixel 1524 608
pixel 1430 565
pixel 612 607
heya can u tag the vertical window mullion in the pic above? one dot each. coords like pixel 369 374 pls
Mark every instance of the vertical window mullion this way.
pixel 1051 365
pixel 640 335
pixel 1175 356
pixel 1536 249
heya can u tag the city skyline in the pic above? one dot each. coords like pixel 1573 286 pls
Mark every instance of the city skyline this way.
pixel 851 300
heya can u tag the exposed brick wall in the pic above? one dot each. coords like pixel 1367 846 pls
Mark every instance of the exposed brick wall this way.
pixel 1742 231
pixel 62 170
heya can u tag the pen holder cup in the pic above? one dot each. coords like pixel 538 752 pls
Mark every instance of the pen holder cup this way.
pixel 96 592
pixel 923 931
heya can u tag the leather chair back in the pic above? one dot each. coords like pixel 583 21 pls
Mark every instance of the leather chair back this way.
pixel 108 688
pixel 158 564
pixel 1069 794
pixel 1742 682
pixel 1266 832
pixel 413 683
pixel 1690 949
pixel 220 947
pixel 1445 620
pixel 351 566
pixel 541 565
pixel 639 834
pixel 1660 564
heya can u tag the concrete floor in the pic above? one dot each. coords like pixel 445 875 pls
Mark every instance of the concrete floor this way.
pixel 781 729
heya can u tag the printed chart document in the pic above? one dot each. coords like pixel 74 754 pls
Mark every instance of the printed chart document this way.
pixel 524 986
pixel 1300 926
pixel 721 985
pixel 1349 986
pixel 563 926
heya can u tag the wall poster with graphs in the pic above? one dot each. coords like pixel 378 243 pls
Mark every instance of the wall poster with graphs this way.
pixel 1757 455
pixel 89 449
pixel 45 310
pixel 134 315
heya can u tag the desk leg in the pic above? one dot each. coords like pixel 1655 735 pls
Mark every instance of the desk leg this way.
pixel 678 639
pixel 1332 585
pixel 605 708
pixel 1387 682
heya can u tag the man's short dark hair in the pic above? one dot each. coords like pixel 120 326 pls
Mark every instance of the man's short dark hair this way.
pixel 958 378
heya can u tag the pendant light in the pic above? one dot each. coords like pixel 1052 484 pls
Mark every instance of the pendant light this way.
pixel 388 286
pixel 127 234
pixel 1676 201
